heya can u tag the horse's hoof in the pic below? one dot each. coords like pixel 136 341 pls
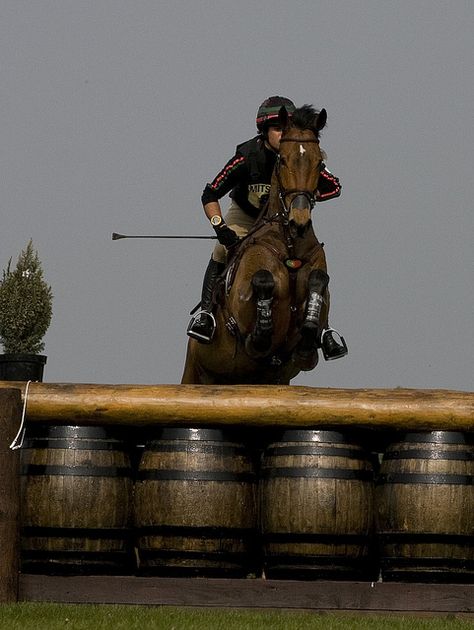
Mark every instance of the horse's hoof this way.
pixel 257 349
pixel 306 361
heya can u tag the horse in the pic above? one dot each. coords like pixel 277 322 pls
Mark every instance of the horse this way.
pixel 272 302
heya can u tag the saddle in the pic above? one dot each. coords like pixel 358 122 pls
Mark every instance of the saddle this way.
pixel 225 282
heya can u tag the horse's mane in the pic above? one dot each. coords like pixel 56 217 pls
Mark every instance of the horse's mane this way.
pixel 305 117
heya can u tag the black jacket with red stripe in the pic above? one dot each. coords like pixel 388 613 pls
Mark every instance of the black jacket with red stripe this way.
pixel 247 176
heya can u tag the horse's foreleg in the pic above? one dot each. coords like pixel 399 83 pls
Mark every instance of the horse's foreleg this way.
pixel 258 342
pixel 191 373
pixel 317 284
pixel 306 350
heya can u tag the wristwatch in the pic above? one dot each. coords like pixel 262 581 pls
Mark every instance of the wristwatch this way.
pixel 216 220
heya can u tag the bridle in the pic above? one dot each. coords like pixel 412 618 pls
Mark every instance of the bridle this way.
pixel 284 193
pixel 282 216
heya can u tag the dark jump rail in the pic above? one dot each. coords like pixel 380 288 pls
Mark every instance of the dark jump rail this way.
pixel 256 593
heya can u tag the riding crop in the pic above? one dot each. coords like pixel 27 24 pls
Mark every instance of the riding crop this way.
pixel 116 237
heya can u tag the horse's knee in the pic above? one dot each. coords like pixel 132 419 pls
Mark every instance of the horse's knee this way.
pixel 318 281
pixel 259 341
pixel 263 284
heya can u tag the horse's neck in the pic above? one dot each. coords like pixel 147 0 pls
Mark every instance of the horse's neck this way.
pixel 305 245
pixel 274 205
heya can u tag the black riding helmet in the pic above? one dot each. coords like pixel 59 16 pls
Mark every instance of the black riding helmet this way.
pixel 268 111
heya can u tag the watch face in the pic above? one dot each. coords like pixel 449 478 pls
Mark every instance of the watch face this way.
pixel 216 220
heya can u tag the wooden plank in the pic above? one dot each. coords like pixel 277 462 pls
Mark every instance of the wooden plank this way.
pixel 263 405
pixel 10 417
pixel 251 593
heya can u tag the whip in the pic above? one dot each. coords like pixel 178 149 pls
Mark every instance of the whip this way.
pixel 116 236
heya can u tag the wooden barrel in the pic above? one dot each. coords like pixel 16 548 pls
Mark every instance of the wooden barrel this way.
pixel 76 501
pixel 195 504
pixel 316 507
pixel 425 508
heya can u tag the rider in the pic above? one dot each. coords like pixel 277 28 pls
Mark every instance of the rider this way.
pixel 247 176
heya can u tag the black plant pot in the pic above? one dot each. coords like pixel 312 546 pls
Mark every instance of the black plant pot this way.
pixel 22 367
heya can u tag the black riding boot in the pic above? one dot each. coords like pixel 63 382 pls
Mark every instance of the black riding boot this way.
pixel 203 325
pixel 333 349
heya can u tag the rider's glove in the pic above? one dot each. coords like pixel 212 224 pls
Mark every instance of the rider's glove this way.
pixel 226 236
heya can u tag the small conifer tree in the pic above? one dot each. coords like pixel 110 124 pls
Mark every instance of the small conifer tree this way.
pixel 25 305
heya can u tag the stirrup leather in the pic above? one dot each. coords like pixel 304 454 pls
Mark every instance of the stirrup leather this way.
pixel 195 334
pixel 341 343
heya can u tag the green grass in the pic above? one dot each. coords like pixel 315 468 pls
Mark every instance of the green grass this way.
pixel 41 616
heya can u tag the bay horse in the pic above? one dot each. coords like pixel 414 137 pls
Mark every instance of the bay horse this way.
pixel 273 301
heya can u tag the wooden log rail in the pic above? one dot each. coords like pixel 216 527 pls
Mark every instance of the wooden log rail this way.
pixel 263 405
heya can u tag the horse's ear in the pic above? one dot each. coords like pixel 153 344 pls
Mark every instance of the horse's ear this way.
pixel 321 119
pixel 283 117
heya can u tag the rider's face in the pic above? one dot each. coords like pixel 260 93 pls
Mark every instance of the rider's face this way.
pixel 274 137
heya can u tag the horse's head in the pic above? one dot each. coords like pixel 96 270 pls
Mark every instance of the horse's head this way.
pixel 299 164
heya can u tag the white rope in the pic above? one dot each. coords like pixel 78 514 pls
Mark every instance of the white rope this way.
pixel 18 441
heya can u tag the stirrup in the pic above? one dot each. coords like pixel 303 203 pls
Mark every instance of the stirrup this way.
pixel 341 344
pixel 201 335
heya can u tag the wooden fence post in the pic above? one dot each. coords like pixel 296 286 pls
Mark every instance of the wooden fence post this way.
pixel 10 417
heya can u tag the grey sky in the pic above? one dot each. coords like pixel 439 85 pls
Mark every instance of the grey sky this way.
pixel 115 113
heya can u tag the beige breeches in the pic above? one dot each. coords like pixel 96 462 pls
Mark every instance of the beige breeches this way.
pixel 237 220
